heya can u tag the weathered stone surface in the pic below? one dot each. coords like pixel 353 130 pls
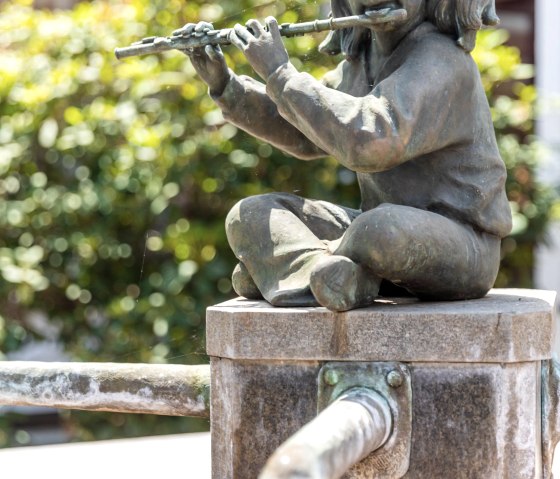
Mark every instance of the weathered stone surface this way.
pixel 476 421
pixel 166 389
pixel 505 326
pixel 469 420
pixel 255 407
pixel 550 376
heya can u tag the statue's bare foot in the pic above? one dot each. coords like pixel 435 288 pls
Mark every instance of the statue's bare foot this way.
pixel 292 298
pixel 243 284
pixel 339 284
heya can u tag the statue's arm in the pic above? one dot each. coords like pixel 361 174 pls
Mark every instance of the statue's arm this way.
pixel 407 115
pixel 245 103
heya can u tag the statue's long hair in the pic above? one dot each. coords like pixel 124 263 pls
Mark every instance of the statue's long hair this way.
pixel 351 39
pixel 459 18
pixel 462 18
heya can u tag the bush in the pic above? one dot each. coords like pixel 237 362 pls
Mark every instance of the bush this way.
pixel 116 178
pixel 512 100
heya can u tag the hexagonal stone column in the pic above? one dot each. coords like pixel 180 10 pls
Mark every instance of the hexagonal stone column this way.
pixel 475 373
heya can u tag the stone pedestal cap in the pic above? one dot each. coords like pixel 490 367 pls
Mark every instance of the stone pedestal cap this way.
pixel 506 326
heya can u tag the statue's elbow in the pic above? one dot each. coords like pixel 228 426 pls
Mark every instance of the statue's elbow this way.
pixel 374 156
pixel 312 155
pixel 307 152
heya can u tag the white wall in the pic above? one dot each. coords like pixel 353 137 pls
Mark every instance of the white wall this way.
pixel 547 50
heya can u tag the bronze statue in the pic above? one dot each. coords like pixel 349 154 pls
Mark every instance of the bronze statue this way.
pixel 406 111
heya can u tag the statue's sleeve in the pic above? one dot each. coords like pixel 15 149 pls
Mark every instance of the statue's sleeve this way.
pixel 415 110
pixel 246 104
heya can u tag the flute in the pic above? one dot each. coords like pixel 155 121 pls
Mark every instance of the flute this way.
pixel 221 37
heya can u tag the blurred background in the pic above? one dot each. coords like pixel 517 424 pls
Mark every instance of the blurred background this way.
pixel 116 176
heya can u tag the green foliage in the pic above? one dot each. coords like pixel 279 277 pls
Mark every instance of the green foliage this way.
pixel 512 101
pixel 115 179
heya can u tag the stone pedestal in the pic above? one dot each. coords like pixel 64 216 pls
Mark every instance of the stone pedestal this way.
pixel 475 373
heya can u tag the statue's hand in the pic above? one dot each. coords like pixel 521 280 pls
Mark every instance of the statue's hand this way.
pixel 263 49
pixel 209 62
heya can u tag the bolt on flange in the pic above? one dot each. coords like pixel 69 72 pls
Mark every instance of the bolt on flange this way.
pixel 395 378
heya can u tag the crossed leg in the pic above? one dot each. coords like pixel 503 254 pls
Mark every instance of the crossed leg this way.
pixel 303 252
pixel 431 255
pixel 278 238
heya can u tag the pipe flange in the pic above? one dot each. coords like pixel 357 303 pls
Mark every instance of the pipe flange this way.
pixel 392 381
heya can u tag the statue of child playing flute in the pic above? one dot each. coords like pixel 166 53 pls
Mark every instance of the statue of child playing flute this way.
pixel 406 111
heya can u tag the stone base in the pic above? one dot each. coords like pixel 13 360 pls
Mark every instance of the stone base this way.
pixel 255 407
pixel 476 411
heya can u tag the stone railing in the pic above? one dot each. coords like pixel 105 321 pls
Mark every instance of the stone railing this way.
pixel 164 389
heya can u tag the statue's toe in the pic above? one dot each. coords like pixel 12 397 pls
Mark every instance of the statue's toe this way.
pixel 339 284
pixel 243 283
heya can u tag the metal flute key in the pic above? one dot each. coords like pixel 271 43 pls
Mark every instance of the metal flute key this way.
pixel 179 41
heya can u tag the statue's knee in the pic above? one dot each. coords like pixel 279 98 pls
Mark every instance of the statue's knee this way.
pixel 378 236
pixel 238 220
pixel 234 213
pixel 248 209
pixel 384 223
pixel 243 217
pixel 233 221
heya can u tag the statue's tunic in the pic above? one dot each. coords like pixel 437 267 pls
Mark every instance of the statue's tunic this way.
pixel 417 130
pixel 418 134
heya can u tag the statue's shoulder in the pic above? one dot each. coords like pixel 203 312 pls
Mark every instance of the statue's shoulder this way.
pixel 428 39
pixel 427 47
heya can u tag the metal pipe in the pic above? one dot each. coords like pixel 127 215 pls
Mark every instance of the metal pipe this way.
pixel 164 389
pixel 348 430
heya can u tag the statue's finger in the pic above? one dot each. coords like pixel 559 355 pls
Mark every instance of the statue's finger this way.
pixel 255 27
pixel 273 28
pixel 213 52
pixel 185 31
pixel 243 33
pixel 235 40
pixel 201 26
